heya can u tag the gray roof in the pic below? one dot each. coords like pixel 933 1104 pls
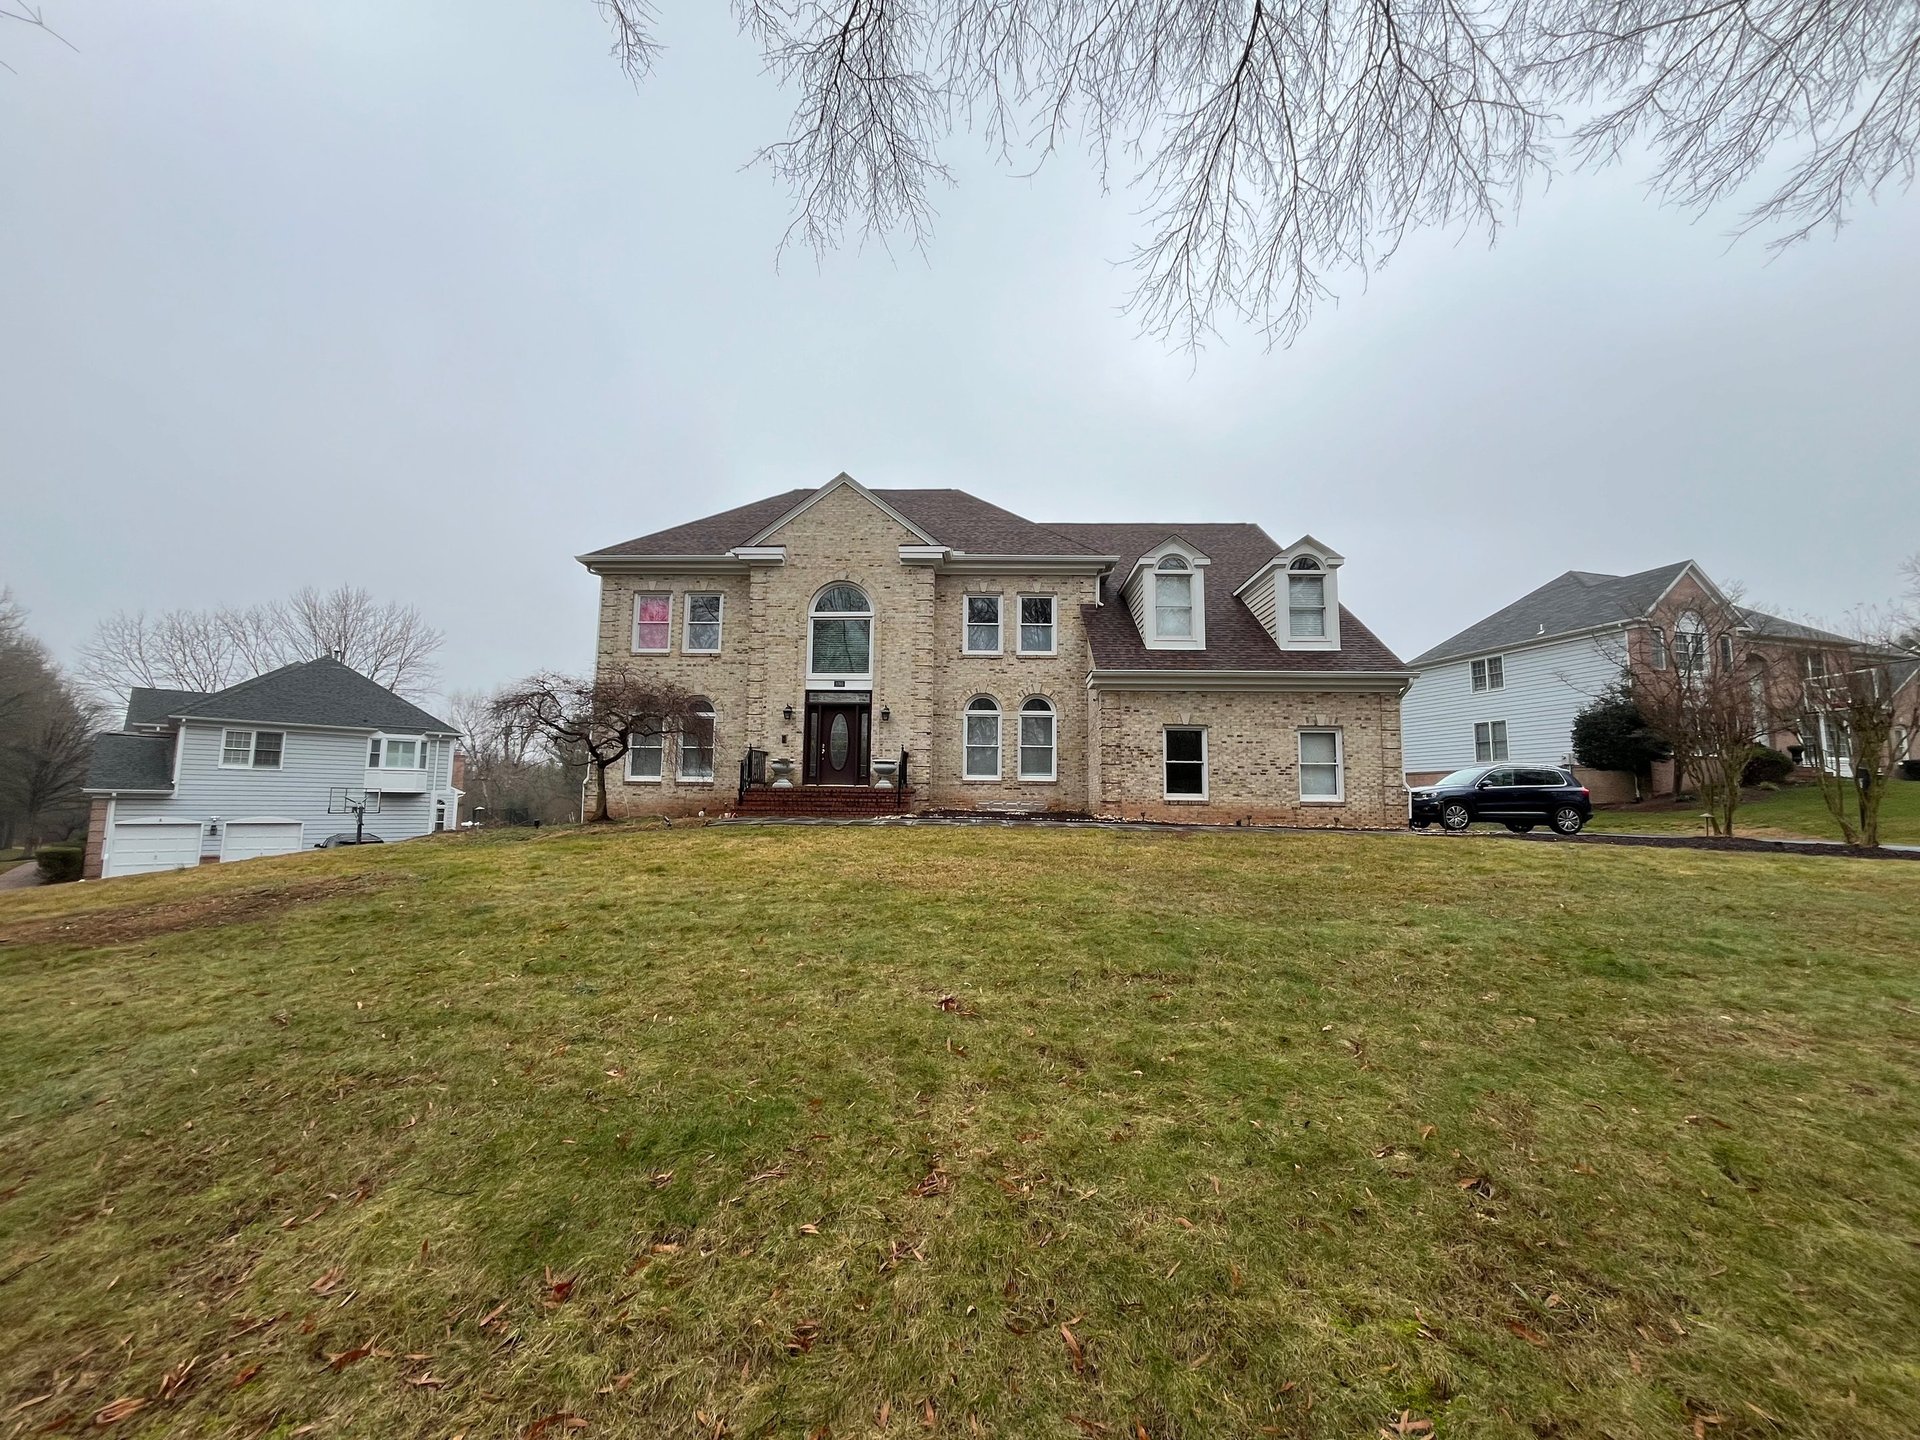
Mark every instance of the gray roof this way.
pixel 131 762
pixel 316 692
pixel 954 518
pixel 1578 600
pixel 147 705
pixel 1236 640
pixel 1773 627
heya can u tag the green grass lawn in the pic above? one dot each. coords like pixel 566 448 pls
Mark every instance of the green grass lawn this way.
pixel 1794 813
pixel 853 1132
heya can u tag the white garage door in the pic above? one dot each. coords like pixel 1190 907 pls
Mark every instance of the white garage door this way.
pixel 137 847
pixel 250 839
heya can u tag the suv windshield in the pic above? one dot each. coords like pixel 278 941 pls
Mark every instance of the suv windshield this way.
pixel 1459 777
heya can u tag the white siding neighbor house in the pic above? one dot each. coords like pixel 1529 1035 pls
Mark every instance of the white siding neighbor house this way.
pixel 261 768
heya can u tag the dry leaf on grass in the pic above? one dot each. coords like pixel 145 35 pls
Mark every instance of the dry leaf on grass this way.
pixel 339 1362
pixel 119 1410
pixel 1075 1350
pixel 1526 1333
pixel 329 1281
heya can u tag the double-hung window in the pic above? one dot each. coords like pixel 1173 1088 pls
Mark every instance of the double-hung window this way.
pixel 696 742
pixel 251 749
pixel 1036 624
pixel 387 752
pixel 983 625
pixel 982 739
pixel 1036 740
pixel 1186 762
pixel 1657 643
pixel 703 624
pixel 1306 600
pixel 1322 773
pixel 646 749
pixel 653 622
pixel 1489 741
pixel 1489 674
pixel 1173 599
pixel 840 634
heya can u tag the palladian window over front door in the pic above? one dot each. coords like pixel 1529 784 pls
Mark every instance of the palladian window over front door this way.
pixel 840 635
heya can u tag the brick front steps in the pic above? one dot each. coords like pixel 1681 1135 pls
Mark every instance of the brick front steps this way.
pixel 827 800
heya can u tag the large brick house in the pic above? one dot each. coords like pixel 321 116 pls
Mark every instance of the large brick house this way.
pixel 1185 672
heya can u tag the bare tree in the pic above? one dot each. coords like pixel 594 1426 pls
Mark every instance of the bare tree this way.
pixel 1275 141
pixel 1850 714
pixel 599 718
pixel 1906 615
pixel 46 731
pixel 1703 692
pixel 212 649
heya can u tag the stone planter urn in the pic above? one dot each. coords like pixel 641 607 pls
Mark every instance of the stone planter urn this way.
pixel 782 772
pixel 883 773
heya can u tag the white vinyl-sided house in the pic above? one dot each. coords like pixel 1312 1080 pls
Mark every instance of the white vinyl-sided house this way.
pixel 262 768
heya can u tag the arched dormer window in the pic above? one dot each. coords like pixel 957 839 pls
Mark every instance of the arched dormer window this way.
pixel 840 634
pixel 1167 593
pixel 1173 599
pixel 1306 599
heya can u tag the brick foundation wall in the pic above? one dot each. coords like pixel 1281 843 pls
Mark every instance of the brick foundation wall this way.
pixel 1252 755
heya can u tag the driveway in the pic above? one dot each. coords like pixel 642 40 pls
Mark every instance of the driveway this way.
pixel 20 876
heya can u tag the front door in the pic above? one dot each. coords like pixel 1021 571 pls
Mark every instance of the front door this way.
pixel 837 741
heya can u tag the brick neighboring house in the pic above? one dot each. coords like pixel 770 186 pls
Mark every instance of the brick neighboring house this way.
pixel 1184 672
pixel 1510 685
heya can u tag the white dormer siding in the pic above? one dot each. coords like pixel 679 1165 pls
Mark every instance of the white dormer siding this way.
pixel 1296 596
pixel 1167 596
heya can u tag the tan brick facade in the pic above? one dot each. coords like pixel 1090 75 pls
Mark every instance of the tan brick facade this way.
pixel 1107 745
pixel 1253 756
pixel 94 859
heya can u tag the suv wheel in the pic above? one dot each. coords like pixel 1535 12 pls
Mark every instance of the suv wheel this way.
pixel 1520 827
pixel 1568 821
pixel 1455 816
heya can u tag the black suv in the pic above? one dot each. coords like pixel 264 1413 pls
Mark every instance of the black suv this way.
pixel 1517 796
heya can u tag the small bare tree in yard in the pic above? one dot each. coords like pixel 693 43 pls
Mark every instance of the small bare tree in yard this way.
pixel 601 717
pixel 1696 691
pixel 1850 715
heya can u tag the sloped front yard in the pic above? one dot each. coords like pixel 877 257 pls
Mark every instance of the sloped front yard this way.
pixel 1795 813
pixel 811 1132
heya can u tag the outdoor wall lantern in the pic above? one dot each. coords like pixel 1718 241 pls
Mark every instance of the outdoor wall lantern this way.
pixel 886 712
pixel 787 714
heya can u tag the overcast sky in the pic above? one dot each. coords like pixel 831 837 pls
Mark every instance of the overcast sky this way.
pixel 426 297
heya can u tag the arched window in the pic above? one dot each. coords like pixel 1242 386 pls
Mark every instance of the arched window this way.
pixel 1690 642
pixel 696 741
pixel 1036 739
pixel 840 634
pixel 1306 599
pixel 1173 598
pixel 981 726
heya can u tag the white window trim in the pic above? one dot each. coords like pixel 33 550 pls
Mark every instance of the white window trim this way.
pixel 680 775
pixel 1206 766
pixel 1329 607
pixel 1053 744
pixel 1339 796
pixel 1505 736
pixel 1481 682
pixel 687 647
pixel 633 634
pixel 1053 627
pixel 850 680
pixel 633 749
pixel 999 622
pixel 419 743
pixel 999 742
pixel 253 744
pixel 1146 574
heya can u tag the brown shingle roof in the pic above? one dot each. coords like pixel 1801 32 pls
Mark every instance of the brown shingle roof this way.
pixel 1235 639
pixel 970 525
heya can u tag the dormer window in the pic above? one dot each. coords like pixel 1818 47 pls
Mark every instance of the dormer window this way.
pixel 1306 599
pixel 1173 598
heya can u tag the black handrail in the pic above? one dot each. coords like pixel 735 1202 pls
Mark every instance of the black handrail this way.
pixel 900 784
pixel 753 769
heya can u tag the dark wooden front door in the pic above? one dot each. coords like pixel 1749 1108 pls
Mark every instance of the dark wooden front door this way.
pixel 837 739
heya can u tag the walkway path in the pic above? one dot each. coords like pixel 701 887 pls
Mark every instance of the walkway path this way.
pixel 20 877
